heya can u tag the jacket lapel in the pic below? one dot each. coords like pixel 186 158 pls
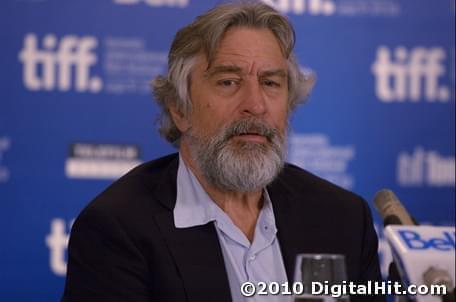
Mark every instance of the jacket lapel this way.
pixel 283 212
pixel 196 250
pixel 298 229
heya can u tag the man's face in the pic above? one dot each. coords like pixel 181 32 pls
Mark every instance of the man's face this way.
pixel 247 79
pixel 237 126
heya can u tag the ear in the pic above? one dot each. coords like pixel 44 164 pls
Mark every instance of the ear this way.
pixel 179 118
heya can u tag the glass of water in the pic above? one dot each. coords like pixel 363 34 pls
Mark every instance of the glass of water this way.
pixel 322 276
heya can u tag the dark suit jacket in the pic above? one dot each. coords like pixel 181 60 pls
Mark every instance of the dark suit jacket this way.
pixel 124 246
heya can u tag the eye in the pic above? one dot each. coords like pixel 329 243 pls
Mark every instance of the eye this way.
pixel 271 83
pixel 228 83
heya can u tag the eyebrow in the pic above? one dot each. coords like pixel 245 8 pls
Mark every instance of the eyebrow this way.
pixel 236 69
pixel 222 69
pixel 275 72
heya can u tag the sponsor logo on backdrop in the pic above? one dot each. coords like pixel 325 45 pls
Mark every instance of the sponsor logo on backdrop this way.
pixel 421 167
pixel 410 75
pixel 299 7
pixel 67 64
pixel 57 242
pixel 101 161
pixel 129 66
pixel 5 145
pixel 315 153
pixel 59 64
pixel 155 3
pixel 346 8
pixel 370 8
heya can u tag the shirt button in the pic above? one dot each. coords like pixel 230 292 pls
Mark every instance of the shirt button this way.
pixel 251 258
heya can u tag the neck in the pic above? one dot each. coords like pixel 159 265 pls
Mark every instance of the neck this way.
pixel 242 207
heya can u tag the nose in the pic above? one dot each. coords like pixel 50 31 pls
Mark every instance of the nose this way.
pixel 254 102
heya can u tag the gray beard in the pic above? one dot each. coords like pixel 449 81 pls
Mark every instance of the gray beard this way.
pixel 239 166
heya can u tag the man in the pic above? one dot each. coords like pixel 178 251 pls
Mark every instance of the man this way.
pixel 226 209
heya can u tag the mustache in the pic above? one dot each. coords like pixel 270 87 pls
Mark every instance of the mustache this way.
pixel 250 126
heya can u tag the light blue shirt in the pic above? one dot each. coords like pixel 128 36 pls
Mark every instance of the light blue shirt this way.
pixel 260 260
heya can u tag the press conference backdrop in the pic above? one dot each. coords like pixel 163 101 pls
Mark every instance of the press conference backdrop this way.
pixel 76 110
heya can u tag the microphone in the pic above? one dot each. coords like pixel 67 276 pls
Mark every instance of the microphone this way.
pixel 392 213
pixel 417 250
pixel 391 209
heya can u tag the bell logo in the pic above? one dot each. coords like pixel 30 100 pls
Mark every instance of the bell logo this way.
pixel 412 74
pixel 415 241
pixel 54 66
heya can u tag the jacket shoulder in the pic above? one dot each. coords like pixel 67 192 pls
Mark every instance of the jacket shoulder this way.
pixel 308 192
pixel 299 180
pixel 139 189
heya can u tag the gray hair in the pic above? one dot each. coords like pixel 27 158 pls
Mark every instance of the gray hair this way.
pixel 204 35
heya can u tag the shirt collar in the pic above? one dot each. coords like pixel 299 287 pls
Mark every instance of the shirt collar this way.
pixel 193 206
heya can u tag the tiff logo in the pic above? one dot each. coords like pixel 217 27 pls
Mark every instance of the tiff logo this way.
pixel 425 167
pixel 413 74
pixel 156 3
pixel 55 65
pixel 57 242
pixel 313 7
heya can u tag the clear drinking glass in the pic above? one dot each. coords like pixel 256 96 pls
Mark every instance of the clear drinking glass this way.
pixel 322 277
